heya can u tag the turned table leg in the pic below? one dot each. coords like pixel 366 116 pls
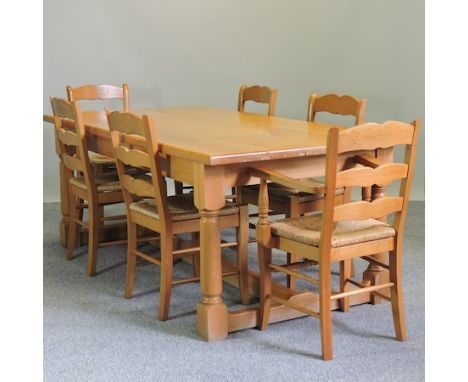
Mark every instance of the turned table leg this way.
pixel 212 314
pixel 212 319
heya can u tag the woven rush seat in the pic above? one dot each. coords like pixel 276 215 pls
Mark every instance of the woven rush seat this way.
pixel 98 159
pixel 181 207
pixel 306 230
pixel 276 190
pixel 104 182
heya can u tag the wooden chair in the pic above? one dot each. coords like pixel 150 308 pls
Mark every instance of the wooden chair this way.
pixel 100 92
pixel 256 93
pixel 337 104
pixel 293 203
pixel 260 94
pixel 346 231
pixel 136 146
pixel 83 185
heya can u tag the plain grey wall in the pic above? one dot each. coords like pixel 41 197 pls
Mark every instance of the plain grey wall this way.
pixel 186 52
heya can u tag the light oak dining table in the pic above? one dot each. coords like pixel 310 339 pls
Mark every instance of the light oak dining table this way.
pixel 212 149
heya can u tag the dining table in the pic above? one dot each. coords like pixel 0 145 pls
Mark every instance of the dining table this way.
pixel 213 149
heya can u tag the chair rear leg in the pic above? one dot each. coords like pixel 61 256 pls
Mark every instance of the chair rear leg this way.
pixel 325 310
pixel 178 187
pixel 165 288
pixel 242 232
pixel 93 240
pixel 235 191
pixel 131 259
pixel 345 274
pixel 72 226
pixel 264 259
pixel 195 237
pixel 396 295
pixel 79 239
pixel 292 212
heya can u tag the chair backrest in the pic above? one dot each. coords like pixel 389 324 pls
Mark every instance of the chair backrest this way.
pixel 136 147
pixel 261 94
pixel 71 140
pixel 99 92
pixel 337 104
pixel 362 138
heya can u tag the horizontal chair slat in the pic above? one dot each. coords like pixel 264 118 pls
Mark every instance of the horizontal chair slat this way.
pixel 135 140
pixel 336 104
pixel 364 210
pixel 366 136
pixel 73 163
pixel 132 157
pixel 366 176
pixel 257 93
pixel 68 138
pixel 128 124
pixel 138 187
pixel 93 92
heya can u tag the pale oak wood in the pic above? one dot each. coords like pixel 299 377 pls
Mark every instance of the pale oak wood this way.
pixel 364 210
pixel 337 104
pixel 260 94
pixel 73 152
pixel 357 138
pixel 367 176
pixel 252 137
pixel 99 92
pixel 93 92
pixel 293 206
pixel 297 163
pixel 136 145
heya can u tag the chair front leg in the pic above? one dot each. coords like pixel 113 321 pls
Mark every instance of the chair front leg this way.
pixel 345 274
pixel 396 295
pixel 242 233
pixel 325 310
pixel 93 238
pixel 292 212
pixel 167 257
pixel 72 225
pixel 131 259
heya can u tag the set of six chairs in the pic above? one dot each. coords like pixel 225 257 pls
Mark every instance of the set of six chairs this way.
pixel 321 222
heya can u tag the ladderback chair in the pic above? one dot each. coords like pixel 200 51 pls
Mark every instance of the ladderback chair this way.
pixel 99 92
pixel 291 202
pixel 83 185
pixel 337 104
pixel 343 232
pixel 259 94
pixel 136 146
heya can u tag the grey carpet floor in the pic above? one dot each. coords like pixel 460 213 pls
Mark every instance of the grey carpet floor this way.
pixel 91 333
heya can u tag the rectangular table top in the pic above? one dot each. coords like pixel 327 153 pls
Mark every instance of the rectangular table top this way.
pixel 220 136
